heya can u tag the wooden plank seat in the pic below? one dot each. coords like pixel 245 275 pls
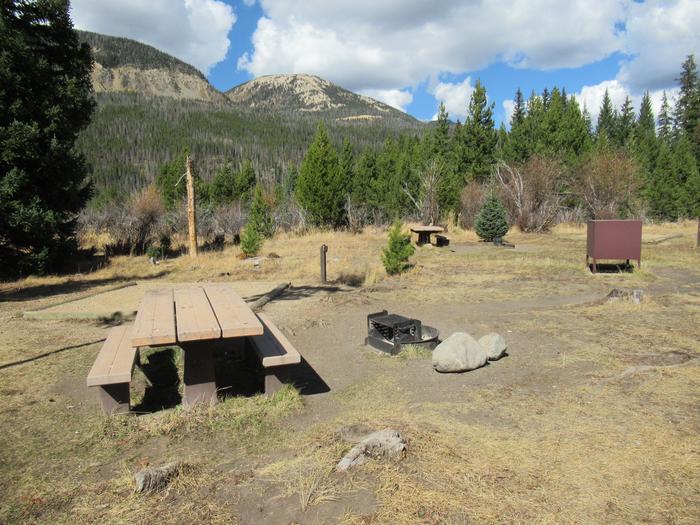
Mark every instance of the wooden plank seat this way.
pixel 442 240
pixel 111 371
pixel 275 354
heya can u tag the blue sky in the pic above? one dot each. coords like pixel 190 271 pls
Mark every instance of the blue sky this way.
pixel 414 54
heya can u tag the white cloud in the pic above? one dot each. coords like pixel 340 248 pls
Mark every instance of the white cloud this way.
pixel 659 36
pixel 392 44
pixel 393 97
pixel 592 97
pixel 508 108
pixel 455 96
pixel 249 3
pixel 195 31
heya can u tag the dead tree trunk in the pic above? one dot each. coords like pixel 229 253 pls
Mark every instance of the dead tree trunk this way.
pixel 191 210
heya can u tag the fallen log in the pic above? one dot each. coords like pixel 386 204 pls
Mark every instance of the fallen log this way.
pixel 664 239
pixel 269 296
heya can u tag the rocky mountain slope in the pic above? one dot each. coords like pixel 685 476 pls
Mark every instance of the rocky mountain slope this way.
pixel 313 95
pixel 127 66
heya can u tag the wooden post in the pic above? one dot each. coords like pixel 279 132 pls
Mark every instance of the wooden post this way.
pixel 191 210
pixel 697 241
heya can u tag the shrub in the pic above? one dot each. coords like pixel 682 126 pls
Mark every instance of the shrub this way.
pixel 607 183
pixel 399 249
pixel 471 201
pixel 531 192
pixel 491 222
pixel 251 241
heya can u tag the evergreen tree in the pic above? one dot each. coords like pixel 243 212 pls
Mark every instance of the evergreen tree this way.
pixel 518 110
pixel 624 128
pixel 347 163
pixel 665 121
pixel 321 188
pixel 491 221
pixel 662 191
pixel 223 186
pixel 685 177
pixel 687 113
pixel 399 249
pixel 606 119
pixel 259 217
pixel 45 101
pixel 478 139
pixel 645 143
pixel 251 241
pixel 244 182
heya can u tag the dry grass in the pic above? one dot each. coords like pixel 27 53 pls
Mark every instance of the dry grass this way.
pixel 566 438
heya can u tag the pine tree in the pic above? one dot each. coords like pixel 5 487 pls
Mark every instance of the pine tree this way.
pixel 321 189
pixel 259 217
pixel 251 241
pixel 223 186
pixel 441 134
pixel 347 163
pixel 478 139
pixel 687 113
pixel 624 127
pixel 244 182
pixel 645 143
pixel 606 119
pixel 399 249
pixel 665 121
pixel 172 185
pixel 491 221
pixel 45 101
pixel 518 110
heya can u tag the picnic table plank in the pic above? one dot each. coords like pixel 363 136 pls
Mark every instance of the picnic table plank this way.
pixel 155 320
pixel 195 317
pixel 115 360
pixel 273 347
pixel 427 229
pixel 235 317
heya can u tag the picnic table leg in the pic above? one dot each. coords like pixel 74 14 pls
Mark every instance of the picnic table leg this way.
pixel 115 398
pixel 423 238
pixel 199 377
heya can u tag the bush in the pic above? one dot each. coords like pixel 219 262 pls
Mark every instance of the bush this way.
pixel 399 249
pixel 532 192
pixel 608 184
pixel 491 222
pixel 251 241
pixel 260 211
pixel 471 201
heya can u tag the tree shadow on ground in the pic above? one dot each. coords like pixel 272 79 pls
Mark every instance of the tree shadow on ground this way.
pixel 163 387
pixel 71 286
pixel 294 293
pixel 613 267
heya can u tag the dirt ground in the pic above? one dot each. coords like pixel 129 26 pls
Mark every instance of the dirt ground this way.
pixel 592 417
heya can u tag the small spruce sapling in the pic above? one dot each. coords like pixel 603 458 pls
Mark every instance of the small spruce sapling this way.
pixel 491 221
pixel 251 241
pixel 399 249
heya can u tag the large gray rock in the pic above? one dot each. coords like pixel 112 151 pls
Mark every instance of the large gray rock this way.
pixel 458 353
pixel 153 479
pixel 494 344
pixel 385 444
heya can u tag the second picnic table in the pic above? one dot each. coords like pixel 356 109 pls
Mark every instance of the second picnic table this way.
pixel 195 318
pixel 424 233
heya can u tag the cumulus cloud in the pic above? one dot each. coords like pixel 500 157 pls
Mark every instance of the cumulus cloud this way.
pixel 455 96
pixel 393 97
pixel 659 35
pixel 195 31
pixel 365 44
pixel 508 108
pixel 592 97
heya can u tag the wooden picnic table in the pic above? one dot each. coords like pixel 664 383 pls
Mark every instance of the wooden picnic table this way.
pixel 424 233
pixel 194 318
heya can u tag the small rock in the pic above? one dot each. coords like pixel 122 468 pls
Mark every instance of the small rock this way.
pixel 273 255
pixel 155 478
pixel 459 353
pixel 494 344
pixel 385 444
pixel 634 296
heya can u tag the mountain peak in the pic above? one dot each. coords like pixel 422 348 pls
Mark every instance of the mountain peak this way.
pixel 300 92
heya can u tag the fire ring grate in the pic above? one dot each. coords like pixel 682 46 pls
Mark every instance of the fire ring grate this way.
pixel 388 332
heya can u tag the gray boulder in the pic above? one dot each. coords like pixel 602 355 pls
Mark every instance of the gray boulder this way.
pixel 494 344
pixel 458 353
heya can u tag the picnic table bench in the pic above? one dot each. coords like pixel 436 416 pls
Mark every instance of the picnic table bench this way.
pixel 194 318
pixel 424 233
